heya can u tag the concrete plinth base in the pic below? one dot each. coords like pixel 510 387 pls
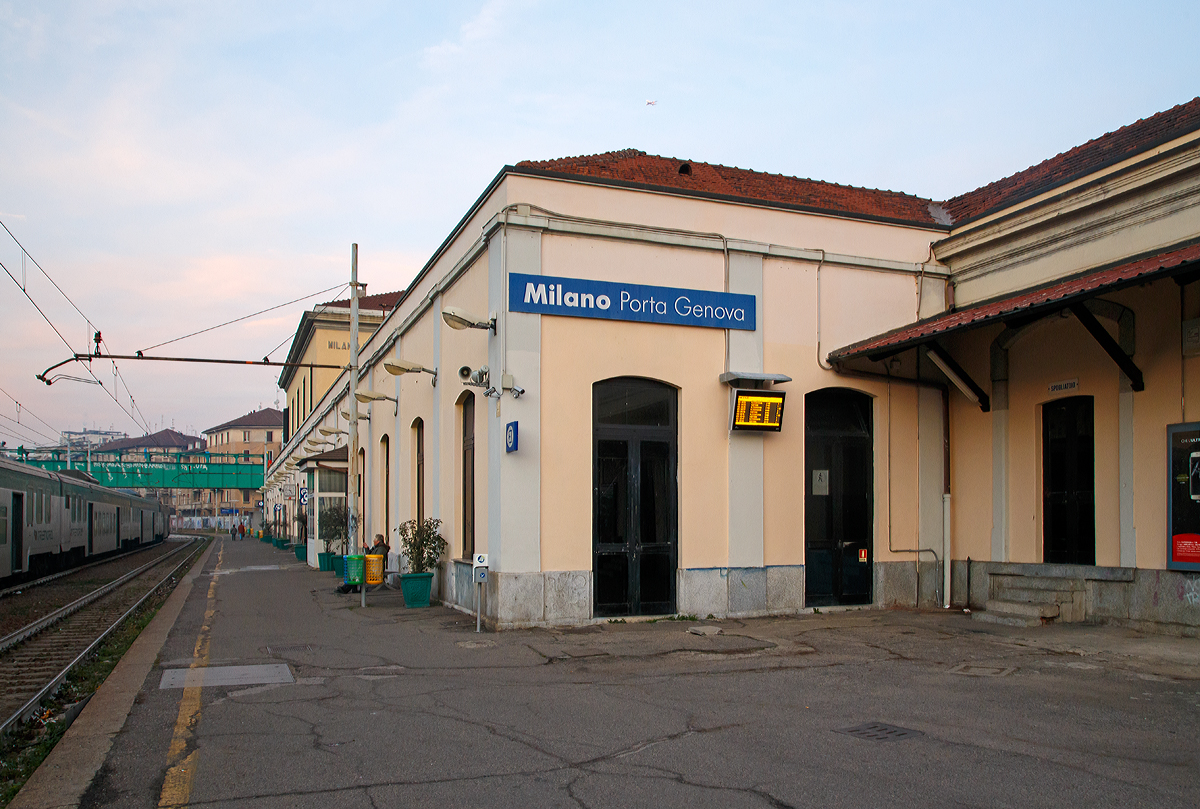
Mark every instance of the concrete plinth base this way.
pixel 564 597
pixel 1153 600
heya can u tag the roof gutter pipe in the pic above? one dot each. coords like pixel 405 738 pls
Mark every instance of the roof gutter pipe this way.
pixel 820 363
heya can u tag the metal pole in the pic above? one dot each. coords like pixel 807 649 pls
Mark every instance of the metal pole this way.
pixel 352 465
pixel 478 603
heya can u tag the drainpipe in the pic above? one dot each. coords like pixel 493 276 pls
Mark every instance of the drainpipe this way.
pixel 821 363
pixel 946 513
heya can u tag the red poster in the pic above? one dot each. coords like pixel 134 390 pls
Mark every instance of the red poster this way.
pixel 1185 548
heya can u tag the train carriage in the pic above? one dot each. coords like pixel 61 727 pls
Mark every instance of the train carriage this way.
pixel 52 521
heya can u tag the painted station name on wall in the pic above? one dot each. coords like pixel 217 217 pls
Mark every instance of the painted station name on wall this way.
pixel 575 297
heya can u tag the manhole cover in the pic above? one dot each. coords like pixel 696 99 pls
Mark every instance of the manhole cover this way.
pixel 970 670
pixel 879 732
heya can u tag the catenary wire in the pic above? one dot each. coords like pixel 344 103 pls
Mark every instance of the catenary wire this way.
pixel 317 311
pixel 31 430
pixel 243 317
pixel 27 410
pixel 71 348
pixel 91 326
pixel 48 278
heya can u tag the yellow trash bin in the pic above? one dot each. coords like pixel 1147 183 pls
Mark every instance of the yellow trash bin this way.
pixel 374 569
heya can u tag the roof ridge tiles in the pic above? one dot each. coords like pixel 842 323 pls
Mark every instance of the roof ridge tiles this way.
pixel 731 182
pixel 1078 161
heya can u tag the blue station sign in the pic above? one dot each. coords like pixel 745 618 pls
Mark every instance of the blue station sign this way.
pixel 575 297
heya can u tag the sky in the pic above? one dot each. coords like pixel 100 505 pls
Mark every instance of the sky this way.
pixel 172 166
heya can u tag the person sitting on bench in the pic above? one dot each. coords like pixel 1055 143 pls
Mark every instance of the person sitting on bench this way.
pixel 380 548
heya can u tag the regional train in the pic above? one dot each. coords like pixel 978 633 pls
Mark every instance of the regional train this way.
pixel 52 521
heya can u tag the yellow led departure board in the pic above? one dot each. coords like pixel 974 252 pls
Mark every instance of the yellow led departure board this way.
pixel 758 410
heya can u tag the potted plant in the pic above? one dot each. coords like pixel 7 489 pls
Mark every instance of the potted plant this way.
pixel 333 529
pixel 301 520
pixel 423 546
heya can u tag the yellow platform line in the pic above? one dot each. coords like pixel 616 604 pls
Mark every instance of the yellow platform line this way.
pixel 177 786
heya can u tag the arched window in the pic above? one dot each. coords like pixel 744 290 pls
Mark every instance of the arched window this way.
pixel 385 456
pixel 418 427
pixel 468 475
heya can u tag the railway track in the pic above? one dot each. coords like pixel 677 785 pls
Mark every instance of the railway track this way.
pixel 24 587
pixel 35 659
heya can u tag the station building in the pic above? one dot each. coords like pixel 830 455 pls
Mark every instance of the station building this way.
pixel 688 388
pixel 323 339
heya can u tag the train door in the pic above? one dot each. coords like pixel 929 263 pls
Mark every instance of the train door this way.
pixel 5 566
pixel 18 532
pixel 91 527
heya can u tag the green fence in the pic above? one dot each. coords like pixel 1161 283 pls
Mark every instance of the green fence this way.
pixel 192 471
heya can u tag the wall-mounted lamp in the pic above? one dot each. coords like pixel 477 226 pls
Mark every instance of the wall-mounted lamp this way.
pixel 459 319
pixel 400 367
pixel 368 396
pixel 327 431
pixel 361 416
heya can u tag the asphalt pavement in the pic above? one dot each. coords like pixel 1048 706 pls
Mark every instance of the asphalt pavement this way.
pixel 281 693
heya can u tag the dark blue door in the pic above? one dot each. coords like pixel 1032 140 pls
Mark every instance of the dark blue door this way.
pixel 839 502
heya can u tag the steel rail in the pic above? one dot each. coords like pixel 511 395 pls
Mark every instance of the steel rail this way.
pixel 29 630
pixel 44 579
pixel 33 702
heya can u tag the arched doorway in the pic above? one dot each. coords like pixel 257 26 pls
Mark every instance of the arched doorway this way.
pixel 634 497
pixel 839 502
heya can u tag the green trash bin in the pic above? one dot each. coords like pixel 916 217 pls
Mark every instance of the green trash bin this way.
pixel 355 569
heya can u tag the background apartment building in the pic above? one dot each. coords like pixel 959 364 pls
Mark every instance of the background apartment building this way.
pixel 254 438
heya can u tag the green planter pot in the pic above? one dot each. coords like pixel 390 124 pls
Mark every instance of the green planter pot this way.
pixel 324 561
pixel 339 565
pixel 416 588
pixel 301 553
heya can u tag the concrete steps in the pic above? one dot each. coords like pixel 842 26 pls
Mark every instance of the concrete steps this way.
pixel 1016 613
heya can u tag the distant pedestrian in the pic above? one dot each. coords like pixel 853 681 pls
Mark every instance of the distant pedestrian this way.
pixel 242 531
pixel 232 532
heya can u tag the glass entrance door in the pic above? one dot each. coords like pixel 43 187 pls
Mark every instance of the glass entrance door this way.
pixel 634 498
pixel 839 508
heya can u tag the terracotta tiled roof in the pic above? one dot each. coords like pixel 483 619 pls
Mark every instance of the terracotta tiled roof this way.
pixel 335 454
pixel 384 301
pixel 1081 161
pixel 1052 296
pixel 636 168
pixel 163 439
pixel 267 417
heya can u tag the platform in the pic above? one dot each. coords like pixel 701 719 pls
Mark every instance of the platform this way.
pixel 267 689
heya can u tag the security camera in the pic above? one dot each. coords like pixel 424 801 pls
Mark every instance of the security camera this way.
pixel 490 392
pixel 465 372
pixel 517 390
